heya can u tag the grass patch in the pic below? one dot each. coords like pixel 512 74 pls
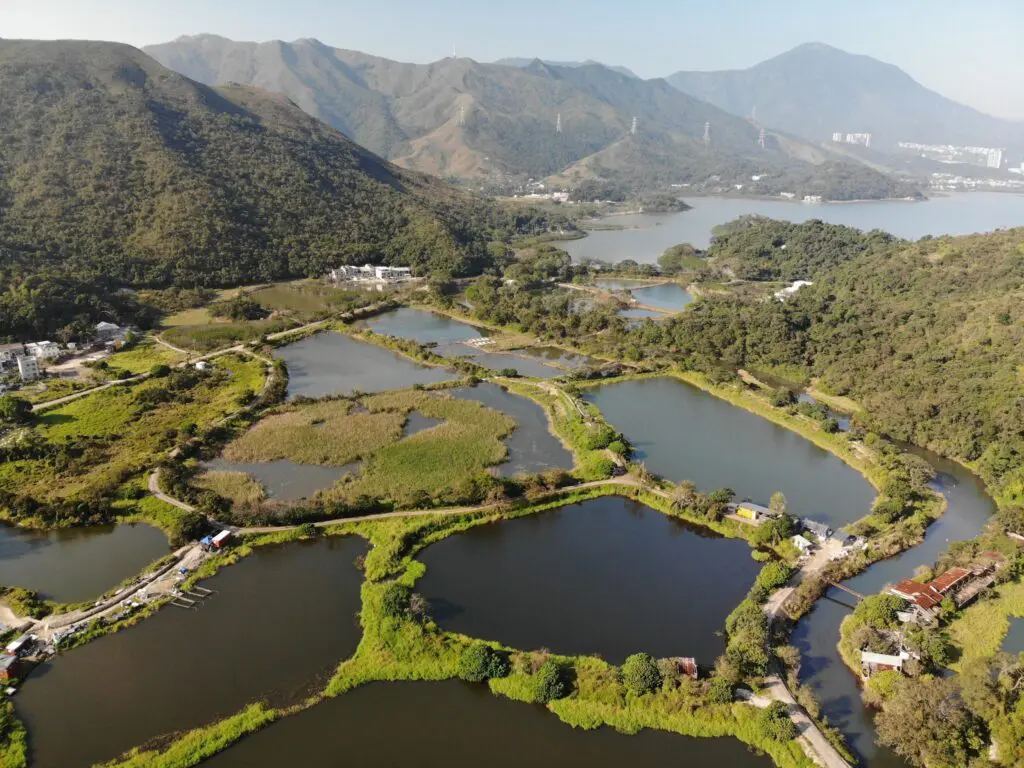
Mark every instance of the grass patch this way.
pixel 142 357
pixel 240 487
pixel 209 337
pixel 325 433
pixel 980 630
pixel 93 446
pixel 13 738
pixel 467 442
pixel 201 743
pixel 197 316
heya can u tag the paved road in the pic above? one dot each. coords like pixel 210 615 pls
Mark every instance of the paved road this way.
pixel 817 747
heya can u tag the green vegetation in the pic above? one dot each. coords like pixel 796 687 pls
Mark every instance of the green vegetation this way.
pixel 479 662
pixel 980 630
pixel 230 170
pixel 13 738
pixel 240 487
pixel 198 744
pixel 210 337
pixel 324 432
pixel 81 462
pixel 640 674
pixel 141 357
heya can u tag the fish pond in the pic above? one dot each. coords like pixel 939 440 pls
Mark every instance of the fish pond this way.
pixel 75 564
pixel 608 576
pixel 683 433
pixel 531 447
pixel 451 724
pixel 670 297
pixel 448 335
pixel 286 480
pixel 276 627
pixel 331 363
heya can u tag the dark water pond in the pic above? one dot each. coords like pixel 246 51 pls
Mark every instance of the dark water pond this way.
pixel 453 724
pixel 608 576
pixel 75 564
pixel 285 480
pixel 280 622
pixel 531 447
pixel 422 327
pixel 1014 640
pixel 816 635
pixel 639 313
pixel 448 335
pixel 683 433
pixel 332 363
pixel 560 356
pixel 668 296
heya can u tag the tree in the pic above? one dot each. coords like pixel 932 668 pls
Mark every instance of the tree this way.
pixel 640 674
pixel 478 662
pixel 879 611
pixel 777 503
pixel 927 722
pixel 782 397
pixel 160 370
pixel 15 410
pixel 776 723
pixel 684 495
pixel 719 690
pixel 550 683
pixel 395 600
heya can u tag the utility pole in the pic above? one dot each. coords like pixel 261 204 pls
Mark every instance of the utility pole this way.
pixel 707 134
pixel 558 123
pixel 632 128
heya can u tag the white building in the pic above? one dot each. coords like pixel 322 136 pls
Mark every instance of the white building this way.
pixel 43 350
pixel 392 274
pixel 995 158
pixel 28 367
pixel 8 352
pixel 812 198
pixel 789 290
pixel 109 332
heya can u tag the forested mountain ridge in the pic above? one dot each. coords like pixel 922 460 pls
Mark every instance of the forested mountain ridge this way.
pixel 457 117
pixel 118 172
pixel 815 89
pixel 927 336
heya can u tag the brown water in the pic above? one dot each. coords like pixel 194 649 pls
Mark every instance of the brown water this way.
pixel 455 725
pixel 332 363
pixel 75 564
pixel 279 624
pixel 608 576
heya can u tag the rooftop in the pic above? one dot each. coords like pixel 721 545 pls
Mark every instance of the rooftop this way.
pixel 950 579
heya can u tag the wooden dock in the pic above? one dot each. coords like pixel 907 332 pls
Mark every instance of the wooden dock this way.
pixel 845 589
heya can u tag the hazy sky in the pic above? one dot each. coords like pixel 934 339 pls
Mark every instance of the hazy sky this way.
pixel 969 51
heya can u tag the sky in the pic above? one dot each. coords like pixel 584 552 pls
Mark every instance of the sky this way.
pixel 969 51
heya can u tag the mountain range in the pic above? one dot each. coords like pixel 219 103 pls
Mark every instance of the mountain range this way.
pixel 522 61
pixel 460 118
pixel 814 90
pixel 113 165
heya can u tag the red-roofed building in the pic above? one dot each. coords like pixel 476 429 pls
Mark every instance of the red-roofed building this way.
pixel 951 579
pixel 924 596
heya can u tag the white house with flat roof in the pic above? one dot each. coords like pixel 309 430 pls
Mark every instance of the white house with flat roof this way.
pixel 28 367
pixel 43 350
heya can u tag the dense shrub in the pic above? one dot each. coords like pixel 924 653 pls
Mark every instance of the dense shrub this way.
pixel 550 682
pixel 640 674
pixel 479 662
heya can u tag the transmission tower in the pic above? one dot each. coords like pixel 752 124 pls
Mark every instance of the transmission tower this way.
pixel 760 139
pixel 632 128
pixel 558 123
pixel 462 115
pixel 707 134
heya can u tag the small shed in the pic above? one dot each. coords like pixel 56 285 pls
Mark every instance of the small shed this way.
pixel 801 543
pixel 206 542
pixel 752 511
pixel 10 667
pixel 872 663
pixel 821 531
pixel 221 539
pixel 19 645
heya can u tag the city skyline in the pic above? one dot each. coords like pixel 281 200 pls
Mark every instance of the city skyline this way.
pixel 650 38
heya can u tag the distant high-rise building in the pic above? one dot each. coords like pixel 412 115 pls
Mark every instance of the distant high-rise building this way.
pixel 995 158
pixel 864 139
pixel 837 137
